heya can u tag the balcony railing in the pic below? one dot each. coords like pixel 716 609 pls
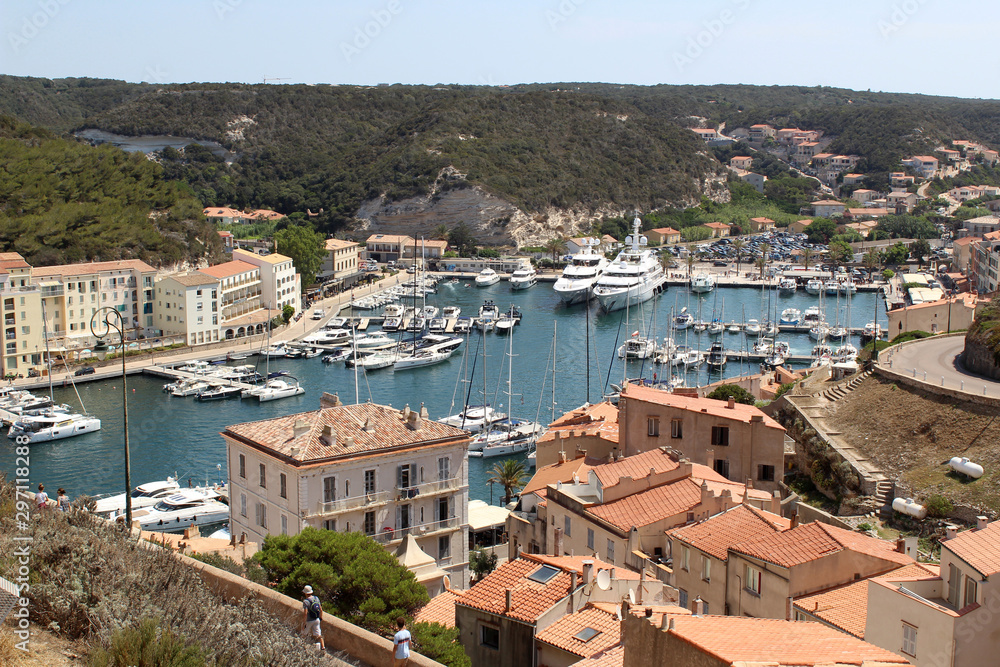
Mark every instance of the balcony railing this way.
pixel 429 488
pixel 389 535
pixel 52 291
pixel 352 503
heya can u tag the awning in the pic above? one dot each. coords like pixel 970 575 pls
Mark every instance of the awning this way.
pixel 483 516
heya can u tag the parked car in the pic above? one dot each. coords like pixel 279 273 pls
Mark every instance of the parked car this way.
pixel 86 370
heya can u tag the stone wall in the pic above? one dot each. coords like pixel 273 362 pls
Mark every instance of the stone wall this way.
pixel 979 359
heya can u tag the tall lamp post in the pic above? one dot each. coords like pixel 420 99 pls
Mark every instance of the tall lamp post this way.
pixel 102 323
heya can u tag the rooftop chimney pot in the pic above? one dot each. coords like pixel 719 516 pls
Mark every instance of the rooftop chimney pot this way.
pixel 588 572
pixel 510 600
pixel 732 403
pixel 981 522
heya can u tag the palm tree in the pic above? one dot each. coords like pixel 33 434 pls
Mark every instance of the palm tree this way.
pixel 807 254
pixel 690 263
pixel 440 232
pixel 765 249
pixel 555 247
pixel 738 245
pixel 510 474
pixel 870 261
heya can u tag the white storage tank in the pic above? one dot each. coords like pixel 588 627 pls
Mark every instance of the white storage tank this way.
pixel 909 507
pixel 966 467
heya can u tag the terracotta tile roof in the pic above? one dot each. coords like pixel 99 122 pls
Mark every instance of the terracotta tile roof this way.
pixel 762 220
pixel 642 509
pixel 600 419
pixel 194 279
pixel 811 541
pixel 978 548
pixel 441 609
pixel 255 317
pixel 636 467
pixel 739 412
pixel 387 430
pixel 530 599
pixel 773 641
pixel 273 258
pixel 557 472
pixel 561 633
pixel 13 260
pixel 736 525
pixel 657 611
pixel 93 267
pixel 224 234
pixel 228 269
pixel 716 225
pixel 827 202
pixel 575 564
pixel 390 238
pixel 846 607
pixel 338 244
pixel 613 657
pixel 665 231
pixel 222 212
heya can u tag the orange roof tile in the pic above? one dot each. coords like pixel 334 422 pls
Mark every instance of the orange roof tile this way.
pixel 228 269
pixel 13 260
pixel 716 225
pixel 441 609
pixel 739 638
pixel 739 412
pixel 665 231
pixel 811 541
pixel 600 419
pixel 636 467
pixel 561 633
pixel 978 548
pixel 388 431
pixel 575 564
pixel 650 506
pixel 613 657
pixel 557 472
pixel 762 220
pixel 338 244
pixel 846 607
pixel 738 524
pixel 93 267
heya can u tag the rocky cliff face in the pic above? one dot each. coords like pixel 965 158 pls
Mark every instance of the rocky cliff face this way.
pixel 982 343
pixel 493 220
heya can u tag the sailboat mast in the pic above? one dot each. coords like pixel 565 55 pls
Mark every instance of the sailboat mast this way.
pixel 587 307
pixel 554 348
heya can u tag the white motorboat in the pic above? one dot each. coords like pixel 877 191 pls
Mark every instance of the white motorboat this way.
pixel 487 277
pixel 218 393
pixel 846 352
pixel 504 323
pixel 700 326
pixel 489 313
pixel 53 426
pixel 578 277
pixel 277 352
pixel 376 339
pixel 451 312
pixel 716 356
pixel 812 316
pixel 190 388
pixel 337 323
pixel 429 312
pixel 837 332
pixel 437 325
pixel 787 286
pixel 505 430
pixel 778 356
pixel 473 418
pixel 848 287
pixel 187 507
pixel 716 327
pixel 393 310
pixel 275 388
pixel 791 316
pixel 143 495
pixel 814 286
pixel 376 360
pixel 337 355
pixel 392 323
pixel 197 367
pixel 523 278
pixel 872 330
pixel 637 347
pixel 702 282
pixel 752 327
pixel 692 359
pixel 683 320
pixel 325 336
pixel 634 276
pixel 735 328
pixel 463 325
pixel 419 359
pixel 819 332
pixel 831 287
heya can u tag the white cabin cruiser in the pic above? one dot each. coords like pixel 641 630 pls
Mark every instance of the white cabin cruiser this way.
pixel 187 507
pixel 53 426
pixel 487 277
pixel 143 495
pixel 473 417
pixel 523 278
pixel 702 282
pixel 578 277
pixel 634 276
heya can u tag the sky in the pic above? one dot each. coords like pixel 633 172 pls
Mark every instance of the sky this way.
pixel 914 46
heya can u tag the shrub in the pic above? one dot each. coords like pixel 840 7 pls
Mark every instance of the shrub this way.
pixel 938 506
pixel 725 391
pixel 147 646
pixel 440 643
pixel 784 389
pixel 482 563
pixel 865 527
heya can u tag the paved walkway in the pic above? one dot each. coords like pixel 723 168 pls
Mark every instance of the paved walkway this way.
pixel 935 361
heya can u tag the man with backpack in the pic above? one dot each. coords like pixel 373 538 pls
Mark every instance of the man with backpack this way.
pixel 312 611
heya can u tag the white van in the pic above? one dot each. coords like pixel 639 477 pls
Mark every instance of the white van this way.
pixel 318 314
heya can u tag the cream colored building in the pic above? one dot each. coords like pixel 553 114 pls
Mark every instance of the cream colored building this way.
pixel 367 468
pixel 240 293
pixel 954 313
pixel 341 262
pixel 24 335
pixel 828 208
pixel 279 282
pixel 190 307
pixel 737 441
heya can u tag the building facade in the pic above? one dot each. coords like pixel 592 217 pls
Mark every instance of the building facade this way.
pixel 279 282
pixel 24 334
pixel 189 307
pixel 340 266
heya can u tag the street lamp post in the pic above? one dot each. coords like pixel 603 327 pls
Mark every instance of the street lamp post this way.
pixel 102 323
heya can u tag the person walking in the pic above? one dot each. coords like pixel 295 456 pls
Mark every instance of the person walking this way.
pixel 41 498
pixel 62 501
pixel 401 644
pixel 312 611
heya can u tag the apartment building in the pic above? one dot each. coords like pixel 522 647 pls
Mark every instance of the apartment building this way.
pixel 741 162
pixel 386 247
pixel 72 294
pixel 901 202
pixel 793 135
pixel 853 179
pixel 737 441
pixel 280 284
pixel 340 266
pixel 828 208
pixel 761 131
pixel 706 135
pixel 24 335
pixel 899 180
pixel 368 468
pixel 424 250
pixel 188 305
pixel 663 236
pixel 863 195
pixel 755 180
pixel 719 229
pixel 240 298
pixel 925 165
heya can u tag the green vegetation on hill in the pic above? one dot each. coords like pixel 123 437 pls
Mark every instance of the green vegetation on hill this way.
pixel 62 201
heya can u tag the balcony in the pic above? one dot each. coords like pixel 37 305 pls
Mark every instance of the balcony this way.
pixel 354 502
pixel 390 535
pixel 52 291
pixel 429 488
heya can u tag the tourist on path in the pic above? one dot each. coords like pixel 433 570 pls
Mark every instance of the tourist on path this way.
pixel 62 500
pixel 41 498
pixel 312 611
pixel 401 644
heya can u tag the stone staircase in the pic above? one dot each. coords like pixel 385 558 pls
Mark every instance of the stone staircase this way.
pixel 839 391
pixel 884 494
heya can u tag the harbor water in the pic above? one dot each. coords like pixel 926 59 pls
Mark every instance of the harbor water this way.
pixel 170 435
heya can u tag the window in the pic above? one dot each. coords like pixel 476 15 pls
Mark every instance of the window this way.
pixel 752 582
pixel 685 557
pixel 676 431
pixel 444 468
pixel 329 489
pixel 444 546
pixel 590 539
pixel 330 524
pixel 704 608
pixel 611 552
pixel 369 481
pixel 706 568
pixel 722 467
pixel 261 515
pixel 489 637
pixel 369 523
pixel 653 427
pixel 263 476
pixel 406 476
pixel 283 485
pixel 243 504
pixel 720 436
pixel 284 524
pixel 682 597
pixel 971 588
pixel 543 574
pixel 243 466
pixel 954 582
pixel 567 525
pixel 765 473
pixel 909 639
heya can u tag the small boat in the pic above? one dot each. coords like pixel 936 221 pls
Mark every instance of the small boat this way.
pixel 871 330
pixel 846 352
pixel 416 324
pixel 814 286
pixel 702 282
pixel 848 287
pixel 699 326
pixel 837 333
pixel 812 316
pixel 376 339
pixel 791 316
pixel 716 356
pixel 190 388
pixel 473 418
pixel 237 356
pixel 392 323
pixel 451 312
pixel 187 507
pixel 463 325
pixel 787 286
pixel 274 389
pixel 819 332
pixel 337 355
pixel 752 327
pixel 437 325
pixel 276 352
pixel 683 320
pixel 487 277
pixel 218 393
pixel 504 323
pixel 716 327
pixel 778 355
pixel 420 359
pixel 637 347
pixel 523 278
pixel 376 360
pixel 196 367
pixel 692 359
pixel 55 426
pixel 735 328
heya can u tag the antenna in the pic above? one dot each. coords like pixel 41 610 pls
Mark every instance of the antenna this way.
pixel 631 596
pixel 604 580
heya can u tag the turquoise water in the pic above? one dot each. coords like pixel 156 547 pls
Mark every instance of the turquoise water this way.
pixel 179 435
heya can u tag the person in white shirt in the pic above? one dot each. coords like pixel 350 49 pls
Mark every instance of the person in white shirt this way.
pixel 42 498
pixel 401 644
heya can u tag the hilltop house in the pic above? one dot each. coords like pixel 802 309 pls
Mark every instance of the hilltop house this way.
pixel 828 208
pixel 719 229
pixel 663 236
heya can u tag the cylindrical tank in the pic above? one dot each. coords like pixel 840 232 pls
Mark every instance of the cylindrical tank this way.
pixel 909 507
pixel 966 467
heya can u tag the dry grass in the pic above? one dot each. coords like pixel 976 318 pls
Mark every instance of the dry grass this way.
pixel 9 655
pixel 911 436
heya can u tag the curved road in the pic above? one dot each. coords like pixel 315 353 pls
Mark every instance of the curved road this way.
pixel 938 357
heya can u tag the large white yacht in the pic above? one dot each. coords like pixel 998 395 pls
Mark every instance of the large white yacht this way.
pixel 487 277
pixel 53 426
pixel 523 278
pixel 633 277
pixel 579 276
pixel 143 495
pixel 702 282
pixel 187 507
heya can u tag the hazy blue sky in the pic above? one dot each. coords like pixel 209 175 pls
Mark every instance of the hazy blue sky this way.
pixel 925 46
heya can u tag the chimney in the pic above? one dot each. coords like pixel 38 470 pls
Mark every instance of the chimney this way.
pixel 562 456
pixel 699 607
pixel 349 441
pixel 406 412
pixel 795 519
pixel 329 437
pixel 981 522
pixel 423 412
pixel 950 532
pixel 369 426
pixel 732 403
pixel 588 572
pixel 557 542
pixel 612 574
pixel 300 428
pixel 649 612
pixel 642 584
pixel 572 581
pixel 510 601
pixel 756 419
pixel 328 400
pixel 790 608
pixel 710 458
pixel 776 503
pixel 901 545
pixel 749 483
pixel 413 421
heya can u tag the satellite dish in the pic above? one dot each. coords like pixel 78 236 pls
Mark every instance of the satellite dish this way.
pixel 631 596
pixel 604 580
